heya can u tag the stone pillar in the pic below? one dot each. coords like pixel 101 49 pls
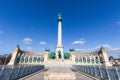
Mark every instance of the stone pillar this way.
pixel 98 59
pixel 28 58
pixel 59 46
pixel 40 59
pixel 37 59
pixel 82 60
pixel 90 59
pixel 94 59
pixel 72 56
pixel 105 57
pixel 25 58
pixel 46 53
pixel 86 59
pixel 78 59
pixel 20 59
pixel 32 59
pixel 14 56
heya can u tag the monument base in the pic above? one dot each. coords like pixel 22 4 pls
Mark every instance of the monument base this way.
pixel 59 73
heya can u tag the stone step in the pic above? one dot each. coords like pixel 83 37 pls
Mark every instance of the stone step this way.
pixel 59 76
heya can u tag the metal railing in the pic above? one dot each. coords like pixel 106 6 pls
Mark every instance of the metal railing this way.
pixel 17 71
pixel 108 73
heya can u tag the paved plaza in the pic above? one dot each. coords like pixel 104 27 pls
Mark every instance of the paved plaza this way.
pixel 57 73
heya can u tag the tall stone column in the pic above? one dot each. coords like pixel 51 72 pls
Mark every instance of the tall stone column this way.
pixel 59 48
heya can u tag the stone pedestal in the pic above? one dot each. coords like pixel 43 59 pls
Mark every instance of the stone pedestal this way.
pixel 72 56
pixel 59 73
pixel 105 57
pixel 46 56
pixel 59 48
pixel 14 56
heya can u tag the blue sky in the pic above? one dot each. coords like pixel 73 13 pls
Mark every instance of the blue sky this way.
pixel 87 24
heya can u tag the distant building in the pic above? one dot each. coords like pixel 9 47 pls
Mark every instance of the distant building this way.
pixel 115 61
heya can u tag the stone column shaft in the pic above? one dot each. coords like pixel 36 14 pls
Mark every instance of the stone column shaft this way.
pixel 59 33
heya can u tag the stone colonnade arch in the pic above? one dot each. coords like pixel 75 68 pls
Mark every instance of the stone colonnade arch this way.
pixel 25 57
pixel 90 58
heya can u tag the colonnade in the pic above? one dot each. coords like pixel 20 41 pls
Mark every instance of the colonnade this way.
pixel 89 59
pixel 30 59
pixel 25 57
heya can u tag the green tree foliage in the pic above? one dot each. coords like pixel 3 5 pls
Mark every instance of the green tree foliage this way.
pixel 66 55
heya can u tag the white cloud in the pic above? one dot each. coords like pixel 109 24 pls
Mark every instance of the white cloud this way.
pixel 97 48
pixel 116 49
pixel 42 43
pixel 110 50
pixel 80 50
pixel 29 48
pixel 79 42
pixel 27 41
pixel 107 47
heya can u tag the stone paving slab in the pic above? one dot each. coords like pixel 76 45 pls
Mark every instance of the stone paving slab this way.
pixel 58 73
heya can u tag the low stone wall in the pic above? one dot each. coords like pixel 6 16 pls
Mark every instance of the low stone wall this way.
pixel 18 71
pixel 109 73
